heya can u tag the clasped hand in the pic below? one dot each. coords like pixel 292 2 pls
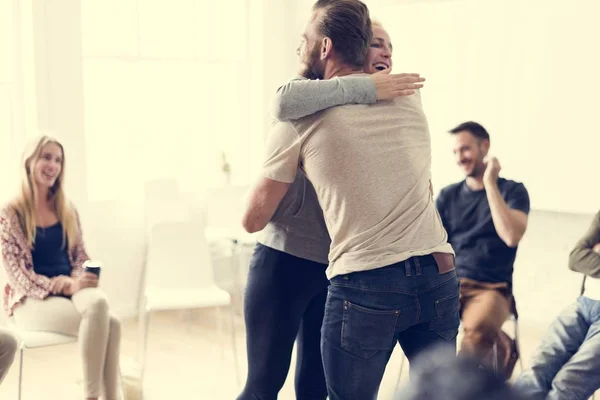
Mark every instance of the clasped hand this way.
pixel 68 286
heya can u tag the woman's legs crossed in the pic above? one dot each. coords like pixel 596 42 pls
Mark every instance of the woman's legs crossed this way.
pixel 94 333
pixel 112 370
pixel 85 316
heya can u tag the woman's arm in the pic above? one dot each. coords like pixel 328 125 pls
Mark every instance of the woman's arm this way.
pixel 301 97
pixel 15 258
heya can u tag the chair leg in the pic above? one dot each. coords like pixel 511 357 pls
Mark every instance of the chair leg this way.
pixel 140 335
pixel 495 358
pixel 234 345
pixel 21 373
pixel 235 269
pixel 146 333
pixel 518 344
pixel 400 374
pixel 219 322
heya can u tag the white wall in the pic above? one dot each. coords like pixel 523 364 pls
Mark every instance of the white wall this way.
pixel 76 79
pixel 543 283
pixel 526 70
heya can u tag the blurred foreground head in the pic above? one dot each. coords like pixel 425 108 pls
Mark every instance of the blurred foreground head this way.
pixel 439 374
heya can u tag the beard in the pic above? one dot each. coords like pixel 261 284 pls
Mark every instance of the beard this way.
pixel 478 170
pixel 311 67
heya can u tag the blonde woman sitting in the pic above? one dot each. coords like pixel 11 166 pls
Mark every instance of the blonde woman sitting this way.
pixel 48 289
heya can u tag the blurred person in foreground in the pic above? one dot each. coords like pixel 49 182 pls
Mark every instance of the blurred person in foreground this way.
pixel 438 374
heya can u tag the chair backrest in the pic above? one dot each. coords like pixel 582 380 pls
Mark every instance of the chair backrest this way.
pixel 163 202
pixel 178 257
pixel 224 206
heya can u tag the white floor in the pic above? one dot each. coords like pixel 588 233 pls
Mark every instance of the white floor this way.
pixel 188 358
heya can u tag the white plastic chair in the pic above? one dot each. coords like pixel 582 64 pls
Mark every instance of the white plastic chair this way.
pixel 179 276
pixel 34 340
pixel 163 202
pixel 223 207
pixel 31 339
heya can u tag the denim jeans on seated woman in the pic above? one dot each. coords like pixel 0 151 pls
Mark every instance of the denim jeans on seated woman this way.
pixel 566 365
pixel 367 312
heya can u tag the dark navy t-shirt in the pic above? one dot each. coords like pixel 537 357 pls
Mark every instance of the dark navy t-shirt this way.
pixel 50 258
pixel 480 253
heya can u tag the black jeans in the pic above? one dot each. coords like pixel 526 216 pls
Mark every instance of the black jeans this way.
pixel 284 300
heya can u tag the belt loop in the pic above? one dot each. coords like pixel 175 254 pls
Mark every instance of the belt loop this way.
pixel 417 265
pixel 407 270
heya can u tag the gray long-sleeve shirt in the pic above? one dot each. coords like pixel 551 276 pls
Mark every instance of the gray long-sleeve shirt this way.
pixel 301 96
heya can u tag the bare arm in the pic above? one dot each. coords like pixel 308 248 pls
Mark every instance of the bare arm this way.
pixel 510 224
pixel 262 202
pixel 585 257
pixel 283 148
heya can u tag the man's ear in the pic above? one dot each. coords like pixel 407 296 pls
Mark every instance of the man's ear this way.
pixel 484 145
pixel 326 48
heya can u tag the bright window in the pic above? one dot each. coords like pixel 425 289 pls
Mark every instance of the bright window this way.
pixel 166 93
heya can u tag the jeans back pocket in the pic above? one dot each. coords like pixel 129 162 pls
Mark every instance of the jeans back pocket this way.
pixel 447 321
pixel 366 331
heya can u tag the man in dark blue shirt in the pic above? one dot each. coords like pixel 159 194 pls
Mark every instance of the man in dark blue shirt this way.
pixel 485 217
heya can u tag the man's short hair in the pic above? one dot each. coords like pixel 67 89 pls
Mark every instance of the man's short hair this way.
pixel 348 24
pixel 476 130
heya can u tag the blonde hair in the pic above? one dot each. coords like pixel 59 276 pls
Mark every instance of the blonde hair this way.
pixel 375 22
pixel 26 201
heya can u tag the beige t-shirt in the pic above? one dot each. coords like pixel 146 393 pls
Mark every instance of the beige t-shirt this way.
pixel 370 166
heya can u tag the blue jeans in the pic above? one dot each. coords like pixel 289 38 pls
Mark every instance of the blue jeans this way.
pixel 367 312
pixel 566 365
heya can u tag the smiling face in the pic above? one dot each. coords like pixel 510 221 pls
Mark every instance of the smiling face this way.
pixel 470 153
pixel 48 167
pixel 380 51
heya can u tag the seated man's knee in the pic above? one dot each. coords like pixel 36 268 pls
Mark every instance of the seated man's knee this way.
pixel 479 336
